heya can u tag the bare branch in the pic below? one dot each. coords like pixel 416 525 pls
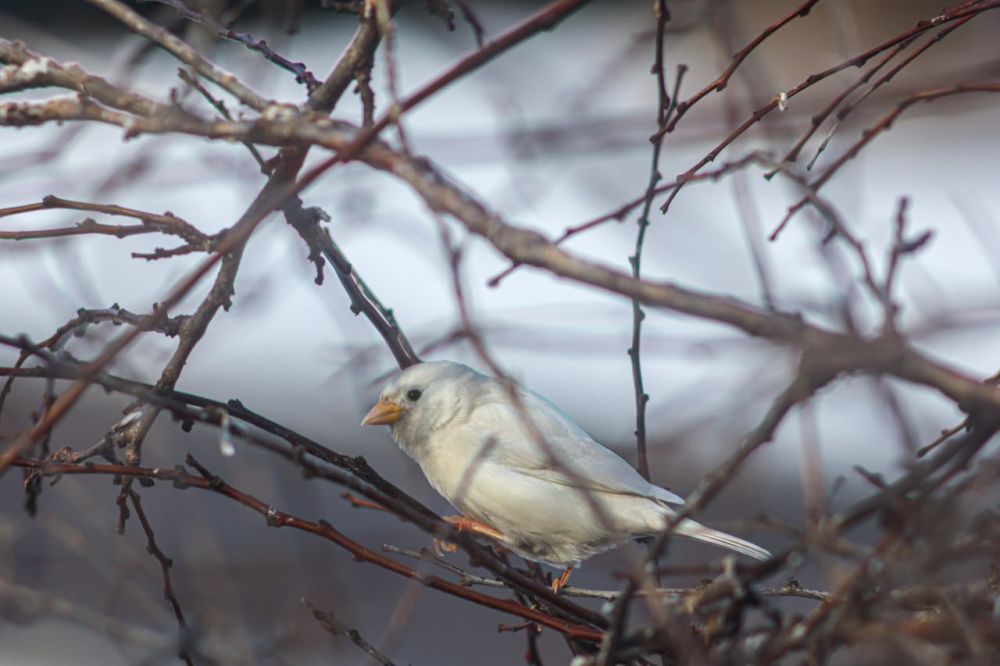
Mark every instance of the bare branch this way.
pixel 329 621
pixel 165 564
pixel 205 480
pixel 183 52
pixel 720 83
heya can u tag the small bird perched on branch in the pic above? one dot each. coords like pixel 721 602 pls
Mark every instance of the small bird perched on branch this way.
pixel 522 472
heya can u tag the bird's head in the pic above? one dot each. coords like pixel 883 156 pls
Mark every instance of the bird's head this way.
pixel 422 399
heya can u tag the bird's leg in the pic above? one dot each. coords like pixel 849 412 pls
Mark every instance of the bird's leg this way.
pixel 560 583
pixel 465 524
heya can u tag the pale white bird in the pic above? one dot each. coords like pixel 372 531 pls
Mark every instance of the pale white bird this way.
pixel 558 501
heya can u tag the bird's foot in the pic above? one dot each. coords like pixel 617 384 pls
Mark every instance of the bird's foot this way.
pixel 442 547
pixel 560 583
pixel 465 524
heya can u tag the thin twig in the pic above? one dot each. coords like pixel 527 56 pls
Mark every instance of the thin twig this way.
pixel 183 52
pixel 954 14
pixel 301 72
pixel 666 105
pixel 329 621
pixel 719 84
pixel 168 589
pixel 883 125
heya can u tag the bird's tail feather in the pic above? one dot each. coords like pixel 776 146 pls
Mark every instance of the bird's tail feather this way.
pixel 694 530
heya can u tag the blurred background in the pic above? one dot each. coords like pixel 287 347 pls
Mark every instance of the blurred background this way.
pixel 553 133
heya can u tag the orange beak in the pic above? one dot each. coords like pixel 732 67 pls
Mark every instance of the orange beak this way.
pixel 383 413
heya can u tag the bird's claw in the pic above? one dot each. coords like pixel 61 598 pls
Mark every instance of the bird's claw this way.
pixel 562 581
pixel 441 547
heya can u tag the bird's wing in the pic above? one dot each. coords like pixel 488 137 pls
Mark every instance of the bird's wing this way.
pixel 570 456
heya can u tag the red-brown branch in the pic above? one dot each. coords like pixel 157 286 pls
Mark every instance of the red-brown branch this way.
pixel 206 481
pixel 720 83
pixel 869 135
pixel 954 14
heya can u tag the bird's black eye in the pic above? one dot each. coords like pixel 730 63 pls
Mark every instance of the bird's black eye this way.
pixel 414 394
